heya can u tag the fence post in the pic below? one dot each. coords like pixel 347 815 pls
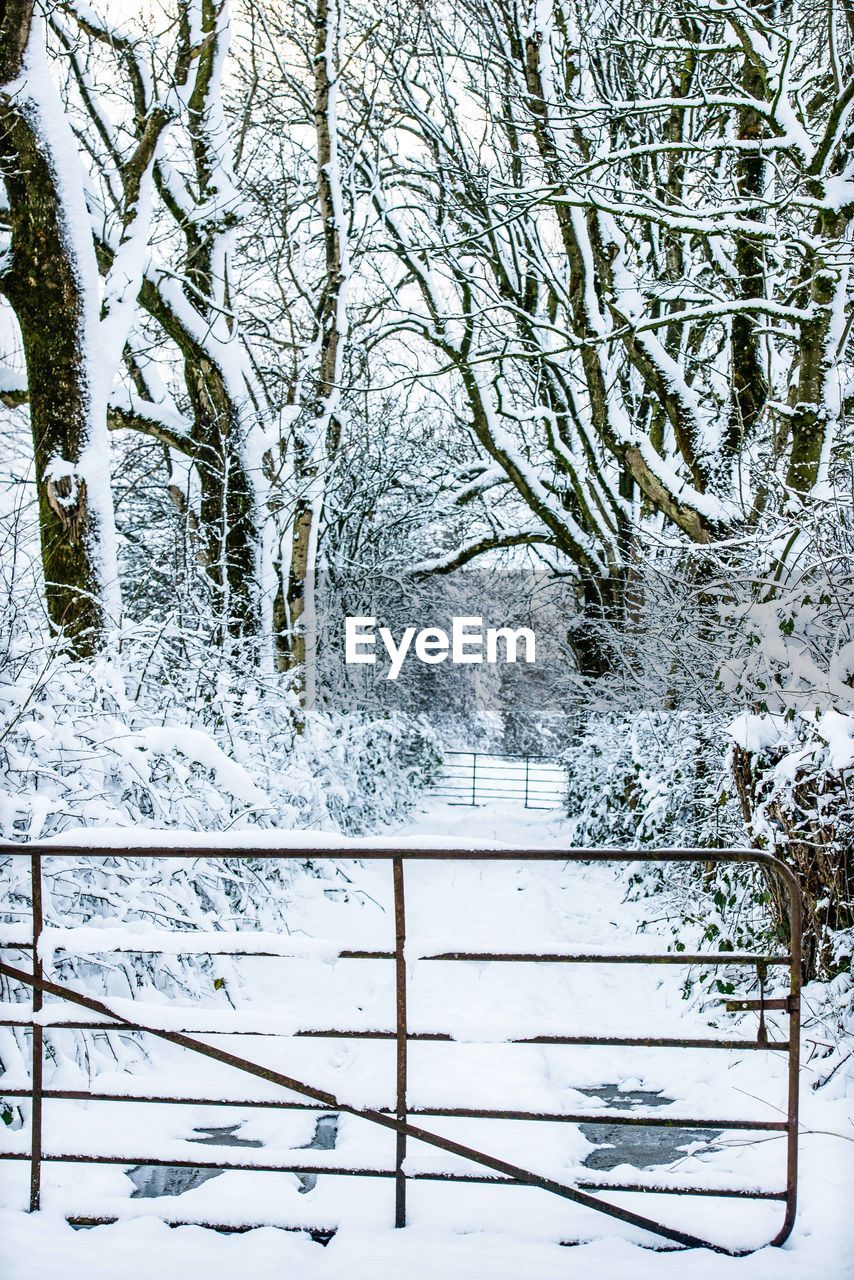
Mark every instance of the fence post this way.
pixel 402 1041
pixel 527 763
pixel 37 1039
pixel 474 778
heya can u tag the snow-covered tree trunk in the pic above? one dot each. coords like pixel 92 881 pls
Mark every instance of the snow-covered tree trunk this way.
pixel 204 327
pixel 181 152
pixel 317 441
pixel 50 278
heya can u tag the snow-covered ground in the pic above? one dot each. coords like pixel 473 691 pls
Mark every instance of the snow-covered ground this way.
pixel 477 1231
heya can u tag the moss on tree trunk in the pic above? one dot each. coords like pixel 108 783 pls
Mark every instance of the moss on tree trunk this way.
pixel 45 290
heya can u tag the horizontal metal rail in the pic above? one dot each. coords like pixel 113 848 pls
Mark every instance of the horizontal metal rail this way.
pixel 587 1192
pixel 371 1171
pixel 439 1037
pixel 468 1113
pixel 354 851
pixel 509 957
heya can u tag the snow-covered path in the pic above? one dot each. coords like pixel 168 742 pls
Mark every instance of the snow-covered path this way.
pixel 476 1231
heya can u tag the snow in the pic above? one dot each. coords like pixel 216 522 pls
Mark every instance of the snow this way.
pixel 473 1230
pixel 133 937
pixel 757 732
pixel 417 1253
pixel 838 732
pixel 200 748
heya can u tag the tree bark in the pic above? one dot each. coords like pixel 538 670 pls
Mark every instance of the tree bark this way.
pixel 316 446
pixel 750 388
pixel 51 284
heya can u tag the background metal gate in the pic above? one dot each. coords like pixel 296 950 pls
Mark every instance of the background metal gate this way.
pixel 480 777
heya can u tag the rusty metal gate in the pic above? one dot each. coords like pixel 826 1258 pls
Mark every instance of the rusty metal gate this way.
pixel 399 1116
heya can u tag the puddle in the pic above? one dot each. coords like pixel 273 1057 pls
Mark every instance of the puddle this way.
pixel 151 1180
pixel 325 1137
pixel 642 1146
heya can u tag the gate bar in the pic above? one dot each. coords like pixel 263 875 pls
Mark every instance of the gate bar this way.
pixel 348 1171
pixel 513 957
pixel 402 1037
pixel 429 1037
pixel 459 1113
pixel 354 852
pixel 37 1046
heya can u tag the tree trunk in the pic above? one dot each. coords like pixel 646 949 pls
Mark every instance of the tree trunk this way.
pixel 228 516
pixel 51 284
pixel 750 388
pixel 814 416
pixel 317 446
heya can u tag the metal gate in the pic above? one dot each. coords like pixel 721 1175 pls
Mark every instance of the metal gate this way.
pixel 398 1116
pixel 479 777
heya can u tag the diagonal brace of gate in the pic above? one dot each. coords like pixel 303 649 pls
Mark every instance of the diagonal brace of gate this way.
pixel 400 1126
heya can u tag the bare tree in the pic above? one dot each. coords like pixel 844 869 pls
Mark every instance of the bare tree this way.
pixel 301 144
pixel 630 237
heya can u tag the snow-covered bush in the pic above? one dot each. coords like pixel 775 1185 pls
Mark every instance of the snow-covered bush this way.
pixel 792 665
pixel 660 779
pixel 729 720
pixel 652 778
pixel 99 744
pixel 144 739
